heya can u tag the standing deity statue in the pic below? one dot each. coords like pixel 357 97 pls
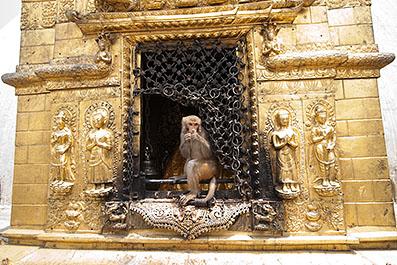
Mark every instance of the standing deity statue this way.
pixel 99 144
pixel 61 150
pixel 323 136
pixel 285 142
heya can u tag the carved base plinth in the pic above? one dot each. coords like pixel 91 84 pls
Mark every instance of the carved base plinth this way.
pixel 98 193
pixel 287 195
pixel 60 187
pixel 328 190
pixel 313 226
pixel 189 221
pixel 71 226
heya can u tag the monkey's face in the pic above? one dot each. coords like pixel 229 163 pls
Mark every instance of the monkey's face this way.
pixel 192 126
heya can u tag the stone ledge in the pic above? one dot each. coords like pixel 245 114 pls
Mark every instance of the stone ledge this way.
pixel 356 240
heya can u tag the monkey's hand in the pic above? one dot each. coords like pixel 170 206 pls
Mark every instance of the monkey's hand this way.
pixel 188 136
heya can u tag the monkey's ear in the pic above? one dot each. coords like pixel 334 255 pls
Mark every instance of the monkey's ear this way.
pixel 184 121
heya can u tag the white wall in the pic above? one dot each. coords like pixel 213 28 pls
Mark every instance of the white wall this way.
pixel 9 57
pixel 384 14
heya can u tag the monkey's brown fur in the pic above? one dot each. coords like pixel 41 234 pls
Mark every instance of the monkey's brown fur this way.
pixel 200 163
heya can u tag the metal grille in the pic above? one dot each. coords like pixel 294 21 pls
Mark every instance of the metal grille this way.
pixel 206 75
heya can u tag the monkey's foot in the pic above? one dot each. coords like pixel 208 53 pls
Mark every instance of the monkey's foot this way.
pixel 184 199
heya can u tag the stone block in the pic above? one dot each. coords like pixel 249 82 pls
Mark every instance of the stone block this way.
pixel 37 37
pixel 350 214
pixel 362 146
pixel 29 194
pixel 36 54
pixel 365 127
pixel 80 47
pixel 358 191
pixel 382 191
pixel 25 174
pixel 22 122
pixel 346 169
pixel 371 168
pixel 360 88
pixel 39 154
pixel 341 128
pixel 318 14
pixel 334 36
pixel 349 16
pixel 21 155
pixel 356 34
pixel 29 138
pixel 312 33
pixel 40 121
pixel 31 103
pixel 339 92
pixel 303 17
pixel 375 214
pixel 287 35
pixel 341 16
pixel 65 31
pixel 362 15
pixel 28 215
pixel 350 109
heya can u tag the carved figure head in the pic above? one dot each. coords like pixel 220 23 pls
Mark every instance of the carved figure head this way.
pixel 283 117
pixel 320 114
pixel 60 119
pixel 191 124
pixel 100 118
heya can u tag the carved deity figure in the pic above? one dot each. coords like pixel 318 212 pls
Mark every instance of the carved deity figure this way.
pixel 285 142
pixel 61 150
pixel 271 45
pixel 323 136
pixel 104 43
pixel 100 144
pixel 200 163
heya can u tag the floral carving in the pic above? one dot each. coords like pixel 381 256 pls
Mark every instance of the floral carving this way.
pixel 189 221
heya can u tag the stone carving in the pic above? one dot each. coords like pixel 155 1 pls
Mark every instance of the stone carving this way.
pixel 93 212
pixel 116 213
pixel 41 14
pixel 189 221
pixel 332 212
pixel 295 212
pixel 62 152
pixel 313 217
pixel 347 3
pixel 62 7
pixel 99 144
pixel 49 14
pixel 285 141
pixel 57 206
pixel 271 44
pixel 323 139
pixel 74 216
pixel 264 215
pixel 200 163
pixel 104 41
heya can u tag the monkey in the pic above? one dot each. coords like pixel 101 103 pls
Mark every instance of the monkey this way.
pixel 200 162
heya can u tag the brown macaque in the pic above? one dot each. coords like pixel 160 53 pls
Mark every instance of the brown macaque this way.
pixel 200 162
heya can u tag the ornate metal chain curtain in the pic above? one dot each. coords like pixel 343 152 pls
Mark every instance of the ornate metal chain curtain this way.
pixel 205 75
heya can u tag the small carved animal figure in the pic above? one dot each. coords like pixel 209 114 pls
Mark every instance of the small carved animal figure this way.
pixel 200 163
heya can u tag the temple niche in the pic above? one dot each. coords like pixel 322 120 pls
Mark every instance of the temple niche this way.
pixel 205 121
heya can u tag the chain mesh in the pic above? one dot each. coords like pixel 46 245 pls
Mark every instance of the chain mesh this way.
pixel 205 75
